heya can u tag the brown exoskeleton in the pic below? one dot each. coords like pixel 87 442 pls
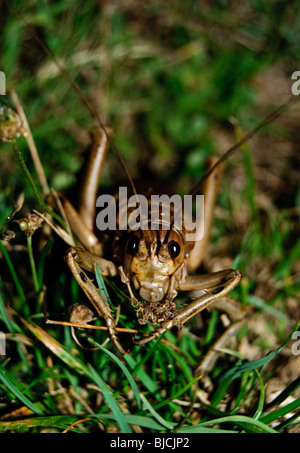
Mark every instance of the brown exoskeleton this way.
pixel 154 264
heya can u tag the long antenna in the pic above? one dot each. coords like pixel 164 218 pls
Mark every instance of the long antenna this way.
pixel 89 106
pixel 269 119
pixel 275 114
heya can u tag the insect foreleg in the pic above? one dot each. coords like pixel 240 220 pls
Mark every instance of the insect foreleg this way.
pixel 102 307
pixel 88 261
pixel 227 279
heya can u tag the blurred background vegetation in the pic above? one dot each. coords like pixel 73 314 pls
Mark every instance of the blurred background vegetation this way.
pixel 178 81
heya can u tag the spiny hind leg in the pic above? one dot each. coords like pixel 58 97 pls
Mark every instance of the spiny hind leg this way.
pixel 82 221
pixel 85 235
pixel 91 176
pixel 210 191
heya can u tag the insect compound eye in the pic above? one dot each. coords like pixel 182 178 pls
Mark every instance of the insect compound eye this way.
pixel 174 249
pixel 133 245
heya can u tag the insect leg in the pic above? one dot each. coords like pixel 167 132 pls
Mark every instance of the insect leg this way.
pixel 210 192
pixel 91 177
pixel 88 261
pixel 100 304
pixel 205 281
pixel 86 236
pixel 212 354
pixel 227 279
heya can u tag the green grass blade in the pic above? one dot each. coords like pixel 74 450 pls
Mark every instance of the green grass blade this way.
pixel 177 394
pixel 32 265
pixel 247 423
pixel 253 364
pixel 147 355
pixel 286 264
pixel 148 382
pixel 112 403
pixel 102 286
pixel 249 175
pixel 64 421
pixel 14 276
pixel 282 411
pixel 57 349
pixel 13 386
pixel 288 422
pixel 4 315
pixel 33 185
pixel 261 304
pixel 292 387
pixel 125 371
pixel 239 369
pixel 153 412
pixel 197 429
pixel 261 400
pixel 56 421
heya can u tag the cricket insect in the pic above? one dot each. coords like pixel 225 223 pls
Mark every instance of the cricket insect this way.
pixel 153 264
